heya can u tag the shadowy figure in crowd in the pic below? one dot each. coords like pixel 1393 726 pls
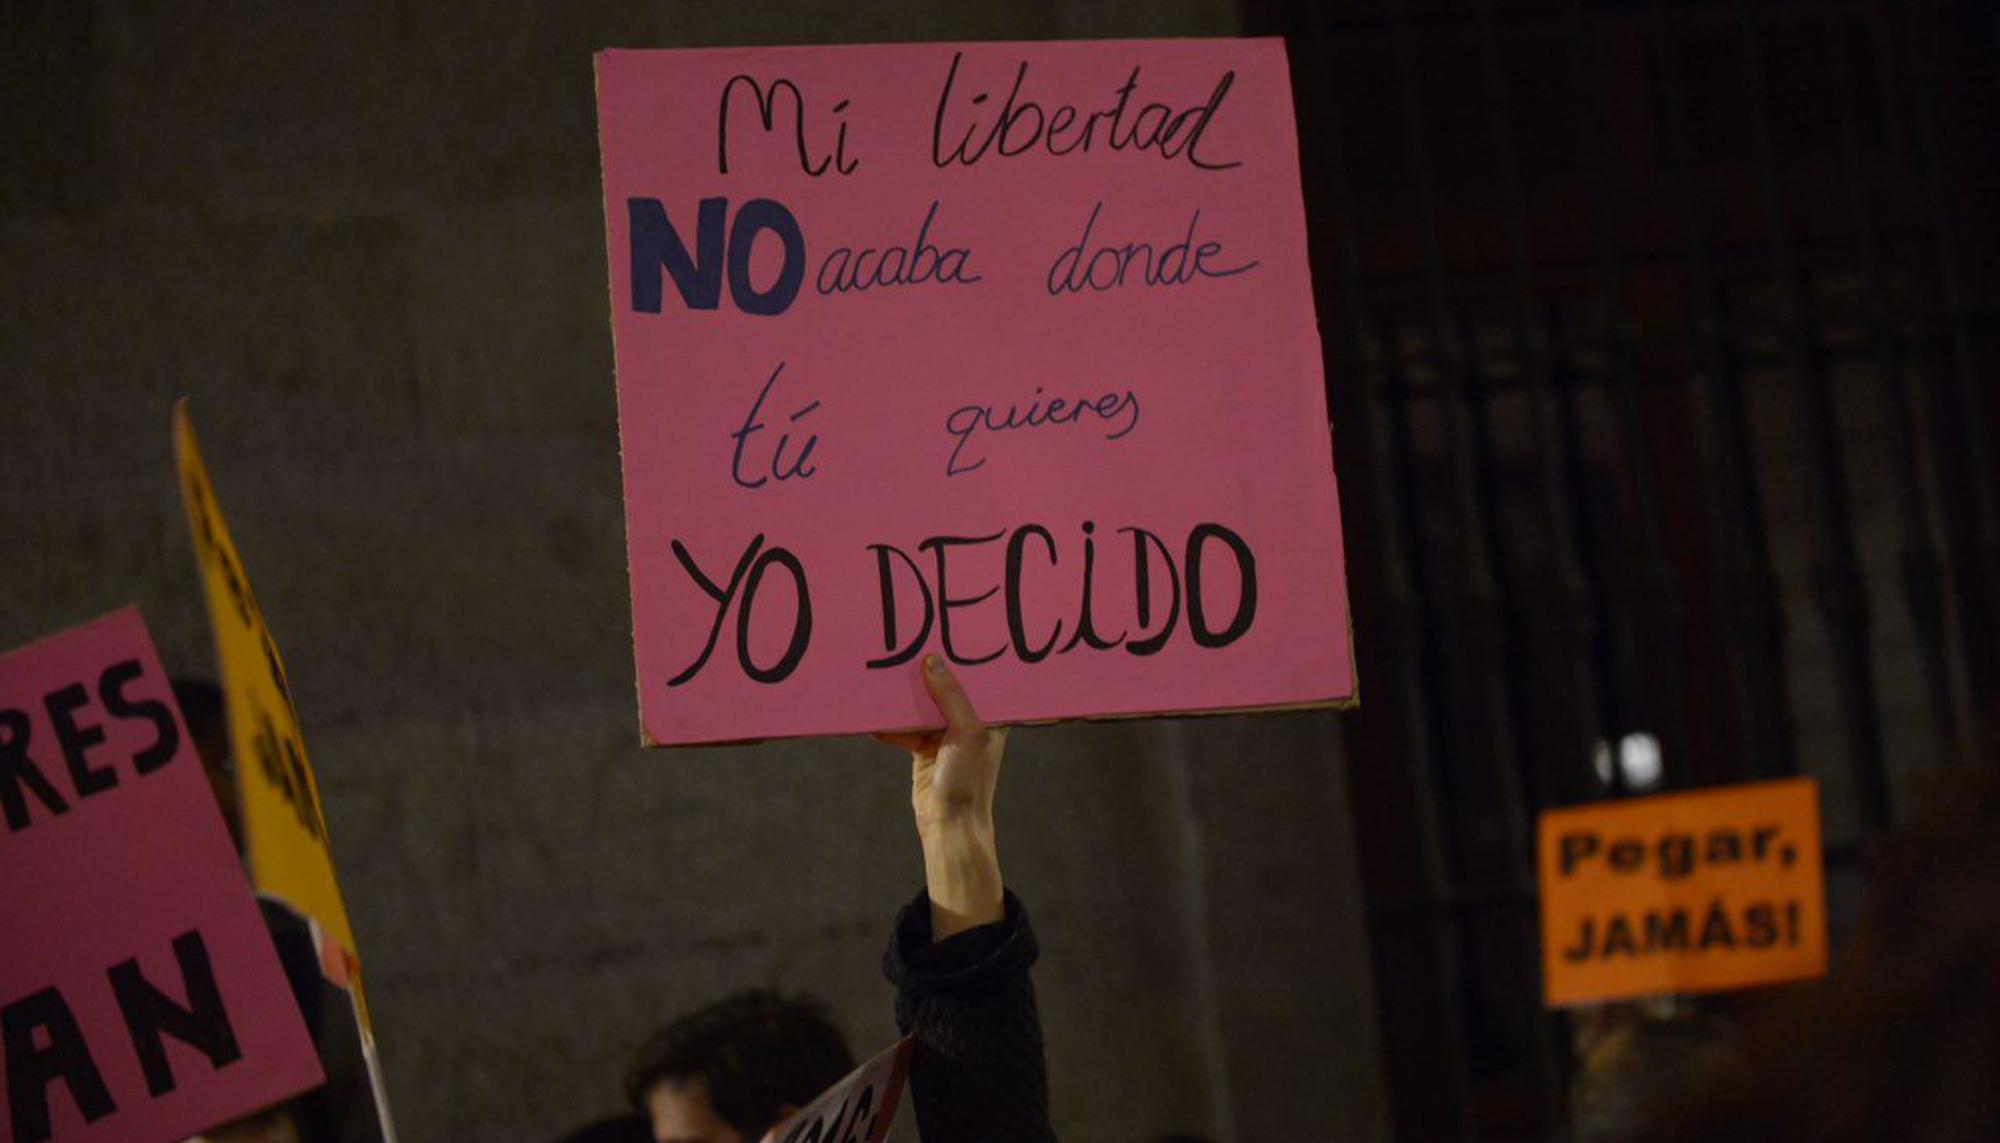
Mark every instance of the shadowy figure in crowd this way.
pixel 1640 1062
pixel 959 957
pixel 728 1072
pixel 342 1109
pixel 617 1129
pixel 1902 1041
pixel 207 717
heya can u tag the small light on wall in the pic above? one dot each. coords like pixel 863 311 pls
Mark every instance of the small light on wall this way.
pixel 1637 760
pixel 1600 761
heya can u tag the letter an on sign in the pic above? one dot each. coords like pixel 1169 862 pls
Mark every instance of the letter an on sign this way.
pixel 150 1004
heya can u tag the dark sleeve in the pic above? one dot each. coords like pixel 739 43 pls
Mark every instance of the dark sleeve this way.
pixel 977 1075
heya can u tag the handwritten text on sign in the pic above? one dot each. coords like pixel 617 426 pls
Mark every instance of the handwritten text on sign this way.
pixel 1683 893
pixel 1006 351
pixel 141 999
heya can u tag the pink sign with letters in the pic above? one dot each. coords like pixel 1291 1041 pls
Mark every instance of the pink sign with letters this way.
pixel 1003 351
pixel 141 998
pixel 858 1109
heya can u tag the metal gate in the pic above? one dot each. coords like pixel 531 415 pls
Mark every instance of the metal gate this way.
pixel 1659 345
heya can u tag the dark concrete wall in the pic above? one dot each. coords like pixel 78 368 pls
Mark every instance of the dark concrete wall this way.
pixel 366 238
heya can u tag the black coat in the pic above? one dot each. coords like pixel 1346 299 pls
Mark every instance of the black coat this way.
pixel 977 1074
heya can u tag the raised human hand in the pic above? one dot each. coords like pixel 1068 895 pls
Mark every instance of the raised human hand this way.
pixel 954 773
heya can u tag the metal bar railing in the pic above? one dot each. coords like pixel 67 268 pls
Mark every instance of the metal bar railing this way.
pixel 1751 619
pixel 1920 558
pixel 1564 605
pixel 1643 661
pixel 1838 592
pixel 1961 416
pixel 1384 585
pixel 1486 726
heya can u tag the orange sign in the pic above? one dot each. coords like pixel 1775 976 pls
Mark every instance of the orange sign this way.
pixel 1691 892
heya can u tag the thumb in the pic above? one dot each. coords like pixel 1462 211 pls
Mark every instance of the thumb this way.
pixel 959 717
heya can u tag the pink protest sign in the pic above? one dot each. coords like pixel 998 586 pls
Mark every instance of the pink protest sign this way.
pixel 858 1109
pixel 141 998
pixel 1004 351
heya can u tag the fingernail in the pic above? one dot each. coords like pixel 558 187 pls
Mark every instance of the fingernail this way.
pixel 933 664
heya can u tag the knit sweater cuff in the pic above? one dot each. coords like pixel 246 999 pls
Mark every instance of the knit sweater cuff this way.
pixel 967 961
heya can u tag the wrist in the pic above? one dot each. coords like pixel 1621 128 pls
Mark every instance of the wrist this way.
pixel 962 876
pixel 959 828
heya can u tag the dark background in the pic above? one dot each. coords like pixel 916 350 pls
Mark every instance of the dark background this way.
pixel 1663 337
pixel 1658 335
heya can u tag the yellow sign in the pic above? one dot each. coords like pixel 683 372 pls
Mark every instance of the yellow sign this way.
pixel 1695 892
pixel 283 828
